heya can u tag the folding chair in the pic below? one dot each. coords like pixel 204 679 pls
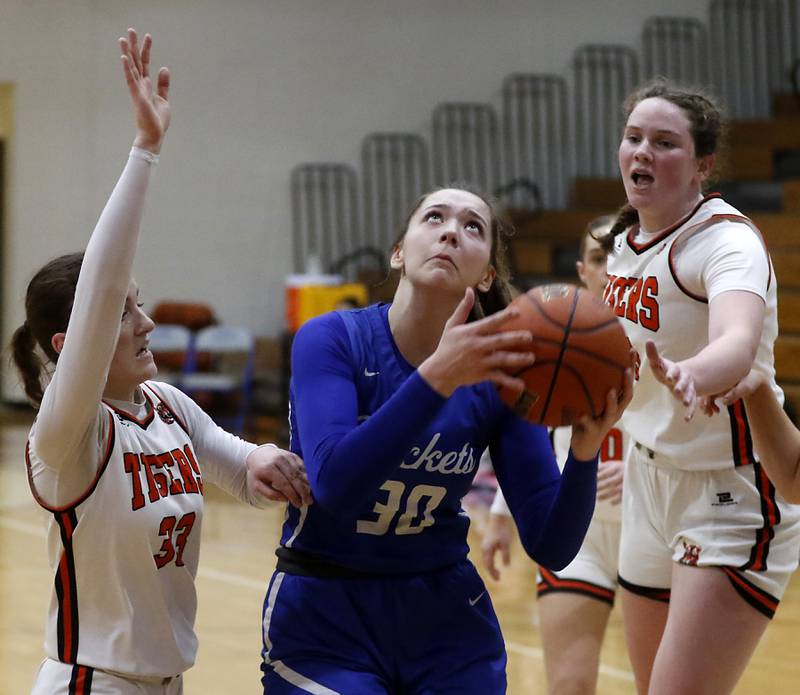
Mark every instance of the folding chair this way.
pixel 230 352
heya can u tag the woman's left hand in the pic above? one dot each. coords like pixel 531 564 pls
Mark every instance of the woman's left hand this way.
pixel 588 434
pixel 278 475
pixel 675 377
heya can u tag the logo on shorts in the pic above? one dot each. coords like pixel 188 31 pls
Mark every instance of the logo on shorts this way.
pixel 691 554
pixel 724 499
pixel 164 414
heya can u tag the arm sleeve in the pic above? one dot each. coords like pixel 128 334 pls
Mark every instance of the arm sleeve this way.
pixel 348 461
pixel 552 512
pixel 69 410
pixel 727 256
pixel 221 455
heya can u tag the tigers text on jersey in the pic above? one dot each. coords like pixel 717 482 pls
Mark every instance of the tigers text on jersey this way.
pixel 654 303
pixel 125 553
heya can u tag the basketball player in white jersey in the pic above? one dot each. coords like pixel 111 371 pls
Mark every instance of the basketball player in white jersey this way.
pixel 707 545
pixel 117 461
pixel 575 602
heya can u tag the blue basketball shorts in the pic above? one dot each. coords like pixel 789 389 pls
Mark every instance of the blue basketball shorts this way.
pixel 417 634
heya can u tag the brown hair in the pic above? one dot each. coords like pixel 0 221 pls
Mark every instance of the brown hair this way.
pixel 48 305
pixel 591 231
pixel 706 127
pixel 499 295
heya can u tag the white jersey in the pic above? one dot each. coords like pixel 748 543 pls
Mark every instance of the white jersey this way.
pixel 614 448
pixel 125 551
pixel 660 287
pixel 122 482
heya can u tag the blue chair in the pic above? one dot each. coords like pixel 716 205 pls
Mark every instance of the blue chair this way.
pixel 230 351
pixel 171 346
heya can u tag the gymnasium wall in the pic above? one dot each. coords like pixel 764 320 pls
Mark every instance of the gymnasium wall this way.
pixel 258 86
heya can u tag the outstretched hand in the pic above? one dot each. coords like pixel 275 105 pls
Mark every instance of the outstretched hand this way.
pixel 677 379
pixel 278 475
pixel 469 353
pixel 151 109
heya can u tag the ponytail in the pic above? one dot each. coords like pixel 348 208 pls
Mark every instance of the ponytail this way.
pixel 626 217
pixel 48 304
pixel 23 353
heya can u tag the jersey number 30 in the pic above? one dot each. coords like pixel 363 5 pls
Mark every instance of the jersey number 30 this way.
pixel 386 511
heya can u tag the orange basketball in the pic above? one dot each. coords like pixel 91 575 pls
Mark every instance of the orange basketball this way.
pixel 581 353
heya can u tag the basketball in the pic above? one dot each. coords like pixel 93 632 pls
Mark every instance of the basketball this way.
pixel 581 353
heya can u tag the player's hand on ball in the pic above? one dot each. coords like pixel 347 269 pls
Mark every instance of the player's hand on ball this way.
pixel 469 353
pixel 609 481
pixel 498 537
pixel 588 434
pixel 278 475
pixel 675 377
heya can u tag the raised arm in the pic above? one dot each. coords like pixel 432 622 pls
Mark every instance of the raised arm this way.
pixel 70 404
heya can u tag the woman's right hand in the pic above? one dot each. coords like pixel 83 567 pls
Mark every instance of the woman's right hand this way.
pixel 498 537
pixel 469 353
pixel 746 387
pixel 152 109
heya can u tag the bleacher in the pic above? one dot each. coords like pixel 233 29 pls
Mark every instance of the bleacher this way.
pixel 548 151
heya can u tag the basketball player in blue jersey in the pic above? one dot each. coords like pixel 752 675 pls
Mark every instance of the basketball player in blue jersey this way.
pixel 391 407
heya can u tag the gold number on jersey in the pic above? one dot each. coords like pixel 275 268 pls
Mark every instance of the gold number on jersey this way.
pixel 387 510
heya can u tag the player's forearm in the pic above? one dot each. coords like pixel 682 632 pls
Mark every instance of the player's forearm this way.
pixel 560 534
pixel 776 440
pixel 71 400
pixel 723 362
pixel 346 468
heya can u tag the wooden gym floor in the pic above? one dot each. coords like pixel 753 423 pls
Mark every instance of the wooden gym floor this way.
pixel 236 561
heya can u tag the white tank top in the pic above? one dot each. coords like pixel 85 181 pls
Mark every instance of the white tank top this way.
pixel 655 303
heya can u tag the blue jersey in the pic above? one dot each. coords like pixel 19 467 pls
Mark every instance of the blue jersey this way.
pixel 389 459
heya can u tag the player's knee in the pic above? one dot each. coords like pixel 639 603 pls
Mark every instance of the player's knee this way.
pixel 572 682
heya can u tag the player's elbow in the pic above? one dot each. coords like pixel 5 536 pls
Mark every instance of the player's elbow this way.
pixel 551 553
pixel 334 499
